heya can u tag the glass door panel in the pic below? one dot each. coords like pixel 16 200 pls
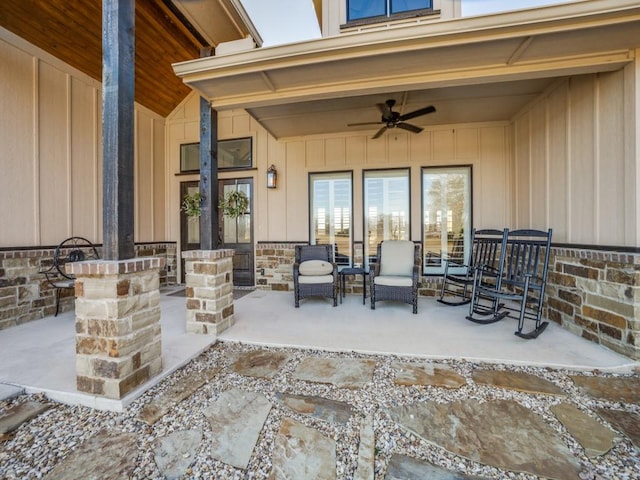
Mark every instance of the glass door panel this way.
pixel 237 233
pixel 446 214
pixel 331 210
pixel 386 209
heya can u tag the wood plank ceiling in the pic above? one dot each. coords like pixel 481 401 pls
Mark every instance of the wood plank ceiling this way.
pixel 72 32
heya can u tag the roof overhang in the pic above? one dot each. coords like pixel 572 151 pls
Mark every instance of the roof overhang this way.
pixel 520 46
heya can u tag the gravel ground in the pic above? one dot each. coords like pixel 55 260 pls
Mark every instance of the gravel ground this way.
pixel 42 443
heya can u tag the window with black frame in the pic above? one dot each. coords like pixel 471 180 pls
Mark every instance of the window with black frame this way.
pixel 366 9
pixel 233 154
pixel 446 216
pixel 387 199
pixel 331 213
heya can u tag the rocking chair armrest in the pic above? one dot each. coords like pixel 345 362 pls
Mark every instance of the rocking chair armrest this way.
pixel 488 270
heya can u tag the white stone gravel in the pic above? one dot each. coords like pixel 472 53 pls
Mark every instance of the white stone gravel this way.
pixel 39 445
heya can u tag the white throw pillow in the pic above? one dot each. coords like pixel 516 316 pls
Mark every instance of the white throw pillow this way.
pixel 315 267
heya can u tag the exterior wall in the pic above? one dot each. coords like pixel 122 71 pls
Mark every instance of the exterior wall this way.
pixel 483 146
pixel 574 158
pixel 576 170
pixel 334 14
pixel 281 214
pixel 596 295
pixel 25 294
pixel 50 132
pixel 183 126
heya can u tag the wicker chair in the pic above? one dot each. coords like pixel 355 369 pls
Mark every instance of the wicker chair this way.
pixel 395 275
pixel 315 274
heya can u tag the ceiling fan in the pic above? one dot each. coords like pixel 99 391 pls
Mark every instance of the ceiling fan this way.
pixel 391 119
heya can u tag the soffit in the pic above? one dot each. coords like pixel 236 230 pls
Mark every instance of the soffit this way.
pixel 72 32
pixel 471 67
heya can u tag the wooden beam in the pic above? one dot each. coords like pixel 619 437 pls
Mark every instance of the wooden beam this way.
pixel 208 176
pixel 118 20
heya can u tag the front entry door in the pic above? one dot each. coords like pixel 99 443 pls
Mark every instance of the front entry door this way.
pixel 189 226
pixel 237 233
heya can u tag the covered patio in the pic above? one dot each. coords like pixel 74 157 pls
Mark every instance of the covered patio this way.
pixel 40 356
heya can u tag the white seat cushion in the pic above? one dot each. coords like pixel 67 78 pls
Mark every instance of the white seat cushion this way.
pixel 315 279
pixel 396 257
pixel 394 281
pixel 315 267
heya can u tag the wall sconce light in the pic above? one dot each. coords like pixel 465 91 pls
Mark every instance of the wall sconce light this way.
pixel 272 177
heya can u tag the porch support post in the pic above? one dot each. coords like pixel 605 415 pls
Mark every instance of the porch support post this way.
pixel 117 128
pixel 209 290
pixel 118 333
pixel 208 176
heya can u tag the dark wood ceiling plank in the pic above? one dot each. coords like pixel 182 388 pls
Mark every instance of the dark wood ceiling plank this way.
pixel 72 32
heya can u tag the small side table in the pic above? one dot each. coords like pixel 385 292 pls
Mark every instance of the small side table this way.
pixel 353 271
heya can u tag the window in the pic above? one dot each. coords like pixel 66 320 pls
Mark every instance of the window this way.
pixel 232 154
pixel 386 208
pixel 190 157
pixel 331 213
pixel 361 9
pixel 446 207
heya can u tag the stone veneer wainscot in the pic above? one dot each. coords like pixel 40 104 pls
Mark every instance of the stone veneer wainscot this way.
pixel 25 295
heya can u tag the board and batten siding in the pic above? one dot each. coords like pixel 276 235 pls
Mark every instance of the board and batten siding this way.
pixel 575 161
pixel 51 156
pixel 282 214
pixel 483 146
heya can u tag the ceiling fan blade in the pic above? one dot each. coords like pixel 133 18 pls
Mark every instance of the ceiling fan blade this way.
pixel 408 126
pixel 385 109
pixel 417 113
pixel 379 132
pixel 363 123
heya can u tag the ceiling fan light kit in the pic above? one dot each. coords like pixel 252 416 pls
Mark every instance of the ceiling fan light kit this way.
pixel 391 119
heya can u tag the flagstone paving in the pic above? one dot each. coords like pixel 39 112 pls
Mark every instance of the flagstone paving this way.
pixel 595 438
pixel 427 374
pixel 318 407
pixel 626 422
pixel 239 412
pixel 259 363
pixel 613 389
pixel 346 372
pixel 499 432
pixel 106 456
pixel 237 417
pixel 175 452
pixel 402 467
pixel 520 381
pixel 160 406
pixel 20 413
pixel 302 452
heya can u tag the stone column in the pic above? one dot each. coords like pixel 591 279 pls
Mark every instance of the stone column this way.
pixel 118 343
pixel 209 278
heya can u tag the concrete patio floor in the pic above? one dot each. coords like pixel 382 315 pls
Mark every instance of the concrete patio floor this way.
pixel 40 356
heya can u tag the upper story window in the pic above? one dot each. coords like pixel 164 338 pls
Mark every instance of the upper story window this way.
pixel 368 9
